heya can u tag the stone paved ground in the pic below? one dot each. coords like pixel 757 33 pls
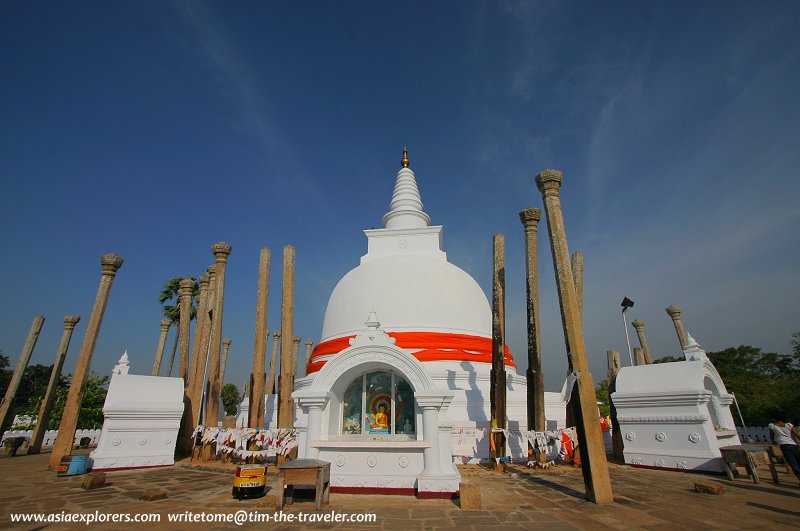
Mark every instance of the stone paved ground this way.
pixel 517 499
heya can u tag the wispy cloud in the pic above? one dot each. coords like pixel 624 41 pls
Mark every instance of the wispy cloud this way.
pixel 234 74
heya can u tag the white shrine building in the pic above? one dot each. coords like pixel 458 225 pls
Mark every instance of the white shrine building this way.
pixel 399 383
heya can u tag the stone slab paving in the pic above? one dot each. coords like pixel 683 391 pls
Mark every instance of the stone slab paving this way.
pixel 517 499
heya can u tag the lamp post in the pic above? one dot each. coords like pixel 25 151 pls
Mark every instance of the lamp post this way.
pixel 627 303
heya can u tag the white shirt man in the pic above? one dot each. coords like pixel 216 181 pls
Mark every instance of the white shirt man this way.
pixel 781 433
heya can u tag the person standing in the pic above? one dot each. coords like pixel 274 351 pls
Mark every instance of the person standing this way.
pixel 781 434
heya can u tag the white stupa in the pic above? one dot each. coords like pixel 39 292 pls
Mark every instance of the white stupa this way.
pixel 400 377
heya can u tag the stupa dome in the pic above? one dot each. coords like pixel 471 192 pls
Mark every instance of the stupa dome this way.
pixel 410 292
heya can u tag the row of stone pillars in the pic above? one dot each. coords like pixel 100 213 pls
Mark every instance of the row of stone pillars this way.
pixel 110 263
pixel 46 406
pixel 569 282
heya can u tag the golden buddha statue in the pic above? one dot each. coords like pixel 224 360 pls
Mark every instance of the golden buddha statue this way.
pixel 381 418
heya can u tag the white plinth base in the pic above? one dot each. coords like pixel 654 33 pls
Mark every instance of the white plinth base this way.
pixel 142 419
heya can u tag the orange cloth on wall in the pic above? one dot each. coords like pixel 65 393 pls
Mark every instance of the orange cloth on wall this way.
pixel 433 346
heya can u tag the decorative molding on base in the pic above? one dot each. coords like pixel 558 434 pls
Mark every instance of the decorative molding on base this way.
pixel 662 419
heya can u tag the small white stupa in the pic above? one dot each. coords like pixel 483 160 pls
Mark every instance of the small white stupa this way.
pixel 675 415
pixel 390 402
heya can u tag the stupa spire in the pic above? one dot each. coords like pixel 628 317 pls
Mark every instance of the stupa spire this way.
pixel 405 209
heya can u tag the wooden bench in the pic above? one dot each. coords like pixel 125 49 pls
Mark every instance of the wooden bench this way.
pixel 312 472
pixel 750 456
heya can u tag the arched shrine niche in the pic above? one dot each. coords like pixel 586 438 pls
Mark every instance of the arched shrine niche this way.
pixel 372 393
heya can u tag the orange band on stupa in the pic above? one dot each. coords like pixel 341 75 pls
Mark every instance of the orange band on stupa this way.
pixel 432 346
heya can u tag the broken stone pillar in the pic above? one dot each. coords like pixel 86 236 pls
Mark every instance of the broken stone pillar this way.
pixel 69 420
pixel 639 326
pixel 638 356
pixel 497 378
pixel 93 480
pixel 594 465
pixel 276 337
pixel 185 306
pixel 675 313
pixel 258 377
pixel 534 375
pixel 226 345
pixel 221 251
pixel 285 401
pixel 308 349
pixel 469 496
pixel 46 407
pixel 162 341
pixel 614 366
pixel 22 363
pixel 295 352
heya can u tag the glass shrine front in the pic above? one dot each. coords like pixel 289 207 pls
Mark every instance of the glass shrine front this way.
pixel 378 403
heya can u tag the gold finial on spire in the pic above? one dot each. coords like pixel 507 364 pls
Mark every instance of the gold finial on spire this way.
pixel 404 162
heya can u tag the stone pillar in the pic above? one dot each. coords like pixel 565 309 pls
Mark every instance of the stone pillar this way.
pixel 46 407
pixel 295 353
pixel 69 420
pixel 204 327
pixel 162 341
pixel 258 376
pixel 594 465
pixel 221 251
pixel 202 311
pixel 27 349
pixel 285 402
pixel 272 363
pixel 638 356
pixel 534 375
pixel 639 326
pixel 498 373
pixel 675 313
pixel 226 345
pixel 185 307
pixel 308 350
pixel 577 278
pixel 193 395
pixel 614 366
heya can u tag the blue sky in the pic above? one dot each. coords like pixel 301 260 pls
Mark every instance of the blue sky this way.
pixel 156 129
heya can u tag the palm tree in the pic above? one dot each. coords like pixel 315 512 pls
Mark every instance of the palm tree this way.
pixel 173 311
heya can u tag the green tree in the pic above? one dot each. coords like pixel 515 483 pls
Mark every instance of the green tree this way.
pixel 168 295
pixel 603 398
pixel 91 414
pixel 32 388
pixel 230 398
pixel 5 374
pixel 765 383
